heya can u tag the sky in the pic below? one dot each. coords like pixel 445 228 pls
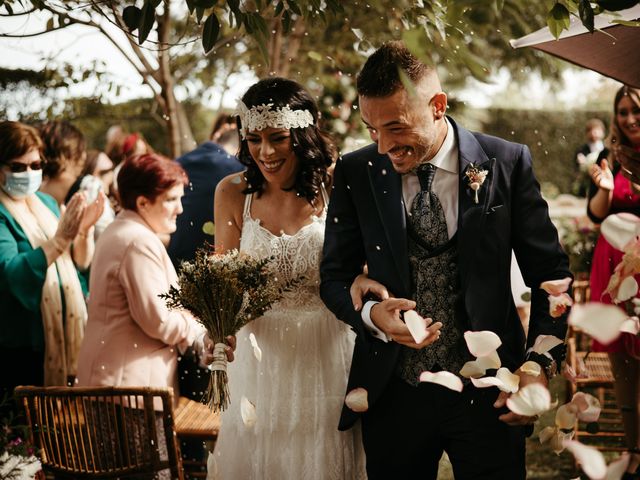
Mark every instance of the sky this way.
pixel 82 46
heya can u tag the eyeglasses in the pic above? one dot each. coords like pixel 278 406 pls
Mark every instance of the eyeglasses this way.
pixel 19 167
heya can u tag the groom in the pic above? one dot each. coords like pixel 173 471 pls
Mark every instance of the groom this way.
pixel 434 211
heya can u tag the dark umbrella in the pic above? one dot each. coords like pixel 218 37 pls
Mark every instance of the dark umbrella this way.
pixel 613 50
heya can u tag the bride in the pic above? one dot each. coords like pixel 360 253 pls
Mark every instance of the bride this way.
pixel 277 208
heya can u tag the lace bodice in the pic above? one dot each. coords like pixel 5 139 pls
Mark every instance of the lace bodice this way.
pixel 296 256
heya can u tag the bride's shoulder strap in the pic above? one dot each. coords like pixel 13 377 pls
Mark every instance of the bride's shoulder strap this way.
pixel 247 205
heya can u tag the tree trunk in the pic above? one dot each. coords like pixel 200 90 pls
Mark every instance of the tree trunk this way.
pixel 178 129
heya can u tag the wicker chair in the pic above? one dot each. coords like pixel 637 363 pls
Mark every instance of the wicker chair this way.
pixel 103 432
pixel 599 383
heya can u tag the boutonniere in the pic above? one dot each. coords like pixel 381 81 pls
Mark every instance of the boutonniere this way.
pixel 476 177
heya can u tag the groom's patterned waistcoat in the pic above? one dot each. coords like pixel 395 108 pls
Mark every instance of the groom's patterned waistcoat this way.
pixel 435 284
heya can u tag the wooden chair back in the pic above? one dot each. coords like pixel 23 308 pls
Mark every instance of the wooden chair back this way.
pixel 103 432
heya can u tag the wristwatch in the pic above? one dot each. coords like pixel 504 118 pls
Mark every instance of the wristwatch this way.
pixel 548 363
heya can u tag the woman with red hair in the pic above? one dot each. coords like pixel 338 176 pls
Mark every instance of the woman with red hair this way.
pixel 132 338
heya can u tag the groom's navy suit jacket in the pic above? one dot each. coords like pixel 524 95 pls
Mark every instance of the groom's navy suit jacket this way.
pixel 366 223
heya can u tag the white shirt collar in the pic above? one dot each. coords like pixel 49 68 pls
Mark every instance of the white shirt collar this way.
pixel 447 157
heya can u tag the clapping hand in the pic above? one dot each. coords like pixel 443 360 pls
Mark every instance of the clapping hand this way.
pixel 70 220
pixel 92 212
pixel 601 175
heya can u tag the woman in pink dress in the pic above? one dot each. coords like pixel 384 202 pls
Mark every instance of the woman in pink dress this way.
pixel 611 192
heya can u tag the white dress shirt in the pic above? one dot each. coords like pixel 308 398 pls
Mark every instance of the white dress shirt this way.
pixel 445 186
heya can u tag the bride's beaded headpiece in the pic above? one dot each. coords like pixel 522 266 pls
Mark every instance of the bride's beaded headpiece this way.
pixel 262 116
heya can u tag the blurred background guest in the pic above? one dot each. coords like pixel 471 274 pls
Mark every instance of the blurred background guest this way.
pixel 125 146
pixel 42 298
pixel 65 155
pixel 587 154
pixel 131 335
pixel 96 176
pixel 611 192
pixel 206 166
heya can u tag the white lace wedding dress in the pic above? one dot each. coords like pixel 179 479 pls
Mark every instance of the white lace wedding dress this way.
pixel 298 388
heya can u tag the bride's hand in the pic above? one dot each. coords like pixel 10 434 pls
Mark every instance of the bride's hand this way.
pixel 601 175
pixel 206 354
pixel 362 286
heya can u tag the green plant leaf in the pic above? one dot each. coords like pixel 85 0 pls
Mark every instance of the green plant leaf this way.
pixel 294 7
pixel 131 16
pixel 147 19
pixel 586 14
pixel 279 8
pixel 210 32
pixel 558 19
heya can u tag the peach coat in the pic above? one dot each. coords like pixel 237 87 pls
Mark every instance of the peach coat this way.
pixel 131 337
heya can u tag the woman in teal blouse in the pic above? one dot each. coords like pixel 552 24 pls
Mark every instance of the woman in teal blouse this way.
pixel 42 298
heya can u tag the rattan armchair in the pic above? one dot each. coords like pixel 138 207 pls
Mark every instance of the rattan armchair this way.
pixel 103 432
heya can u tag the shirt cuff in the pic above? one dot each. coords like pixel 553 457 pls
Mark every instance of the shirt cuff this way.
pixel 371 328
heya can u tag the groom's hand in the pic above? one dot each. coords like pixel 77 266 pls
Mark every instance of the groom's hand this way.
pixel 513 418
pixel 386 316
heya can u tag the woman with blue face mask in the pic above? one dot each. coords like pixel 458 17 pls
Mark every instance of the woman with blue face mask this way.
pixel 42 299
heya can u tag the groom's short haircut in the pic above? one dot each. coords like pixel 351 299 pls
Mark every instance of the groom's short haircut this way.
pixel 380 75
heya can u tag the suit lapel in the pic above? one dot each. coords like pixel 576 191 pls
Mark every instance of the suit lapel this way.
pixel 471 215
pixel 386 185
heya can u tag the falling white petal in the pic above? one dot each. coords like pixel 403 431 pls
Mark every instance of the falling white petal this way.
pixel 357 400
pixel 446 379
pixel 257 351
pixel 628 288
pixel 588 407
pixel 598 320
pixel 510 380
pixel 589 458
pixel 556 287
pixel 619 229
pixel 248 412
pixel 478 367
pixel 482 343
pixel 558 304
pixel 416 325
pixel 532 399
pixel 566 416
pixel 555 437
pixel 531 368
pixel 544 343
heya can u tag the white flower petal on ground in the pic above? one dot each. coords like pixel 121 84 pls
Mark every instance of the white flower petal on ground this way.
pixel 478 367
pixel 357 400
pixel 631 325
pixel 618 467
pixel 248 412
pixel 482 343
pixel 619 229
pixel 257 351
pixel 531 368
pixel 598 320
pixel 590 459
pixel 556 287
pixel 588 407
pixel 558 304
pixel 544 343
pixel 417 325
pixel 446 379
pixel 532 399
pixel 628 288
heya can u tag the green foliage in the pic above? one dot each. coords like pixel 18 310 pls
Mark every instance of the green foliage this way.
pixel 579 237
pixel 552 137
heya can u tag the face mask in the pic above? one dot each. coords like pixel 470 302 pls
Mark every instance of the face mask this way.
pixel 23 184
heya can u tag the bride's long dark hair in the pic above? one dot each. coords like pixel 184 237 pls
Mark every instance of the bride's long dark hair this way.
pixel 312 146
